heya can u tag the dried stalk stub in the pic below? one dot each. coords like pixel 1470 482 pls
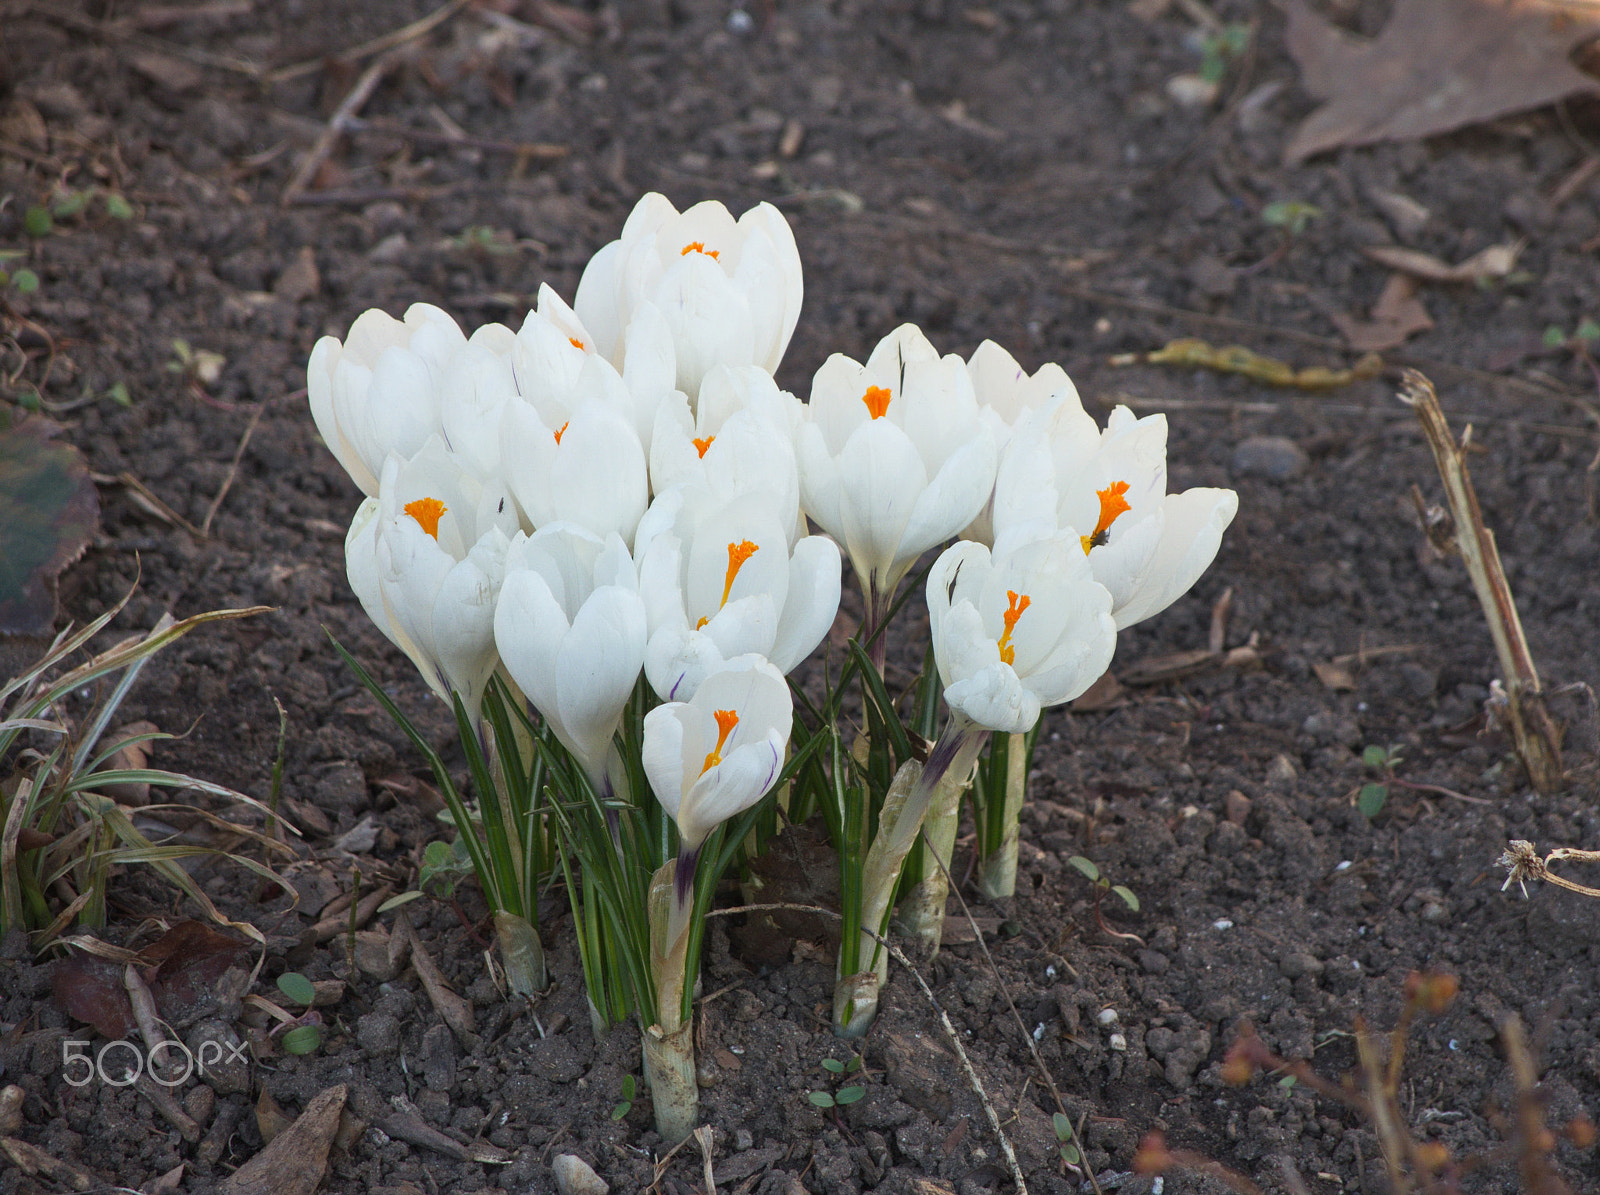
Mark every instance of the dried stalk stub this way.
pixel 1535 735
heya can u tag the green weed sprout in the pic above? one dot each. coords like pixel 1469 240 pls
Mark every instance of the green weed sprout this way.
pixel 844 1095
pixel 630 1088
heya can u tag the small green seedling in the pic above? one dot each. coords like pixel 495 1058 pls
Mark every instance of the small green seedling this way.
pixel 625 1104
pixel 37 221
pixel 1102 885
pixel 1372 797
pixel 480 238
pixel 444 865
pixel 1291 215
pixel 1066 1139
pixel 306 1036
pixel 1221 47
pixel 201 367
pixel 845 1095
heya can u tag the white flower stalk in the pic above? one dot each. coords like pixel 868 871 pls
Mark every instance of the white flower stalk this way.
pixel 707 759
pixel 426 558
pixel 1006 394
pixel 728 291
pixel 1015 630
pixel 571 632
pixel 739 437
pixel 894 458
pixel 377 393
pixel 1146 546
pixel 719 580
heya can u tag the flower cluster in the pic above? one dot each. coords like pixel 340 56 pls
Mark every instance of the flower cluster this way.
pixel 619 489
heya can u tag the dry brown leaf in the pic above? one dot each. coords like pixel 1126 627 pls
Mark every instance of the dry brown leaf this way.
pixel 1494 262
pixel 1333 676
pixel 297 1159
pixel 1438 65
pixel 1395 317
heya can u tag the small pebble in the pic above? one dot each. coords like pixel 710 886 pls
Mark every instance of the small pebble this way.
pixel 574 1176
pixel 1107 1016
pixel 1276 458
pixel 1118 1042
pixel 1222 923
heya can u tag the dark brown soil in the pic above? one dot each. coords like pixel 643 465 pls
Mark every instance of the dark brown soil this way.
pixel 1016 171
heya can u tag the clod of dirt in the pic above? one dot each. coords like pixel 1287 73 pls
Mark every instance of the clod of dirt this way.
pixel 1277 458
pixel 298 1157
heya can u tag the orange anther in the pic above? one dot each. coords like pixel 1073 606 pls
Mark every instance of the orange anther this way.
pixel 1112 504
pixel 577 344
pixel 726 721
pixel 877 400
pixel 737 554
pixel 562 429
pixel 1015 605
pixel 702 445
pixel 427 512
pixel 698 247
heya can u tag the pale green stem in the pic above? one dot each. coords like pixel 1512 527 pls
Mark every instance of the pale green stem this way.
pixel 921 914
pixel 668 1045
pixel 907 804
pixel 997 872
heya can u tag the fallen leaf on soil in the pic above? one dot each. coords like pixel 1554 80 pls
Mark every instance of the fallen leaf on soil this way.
pixel 1438 65
pixel 1396 316
pixel 188 962
pixel 1333 676
pixel 298 1157
pixel 51 514
pixel 270 1118
pixel 1494 262
pixel 1106 693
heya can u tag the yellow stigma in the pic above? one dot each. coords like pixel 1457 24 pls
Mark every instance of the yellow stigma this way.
pixel 427 512
pixel 702 445
pixel 577 344
pixel 877 400
pixel 1112 504
pixel 726 721
pixel 698 247
pixel 561 430
pixel 1015 604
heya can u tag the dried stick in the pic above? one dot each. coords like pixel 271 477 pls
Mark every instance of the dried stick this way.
pixel 1523 863
pixel 1534 733
pixel 388 41
pixel 348 107
pixel 233 472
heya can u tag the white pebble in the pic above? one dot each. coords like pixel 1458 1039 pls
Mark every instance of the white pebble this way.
pixel 1106 1016
pixel 1222 923
pixel 1118 1042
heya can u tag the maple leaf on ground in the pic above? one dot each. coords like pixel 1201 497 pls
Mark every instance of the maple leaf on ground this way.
pixel 1438 65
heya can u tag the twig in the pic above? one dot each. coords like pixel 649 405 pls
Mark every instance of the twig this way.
pixel 950 1030
pixel 233 472
pixel 144 496
pixel 1534 733
pixel 1022 1028
pixel 377 45
pixel 702 1138
pixel 538 151
pixel 348 107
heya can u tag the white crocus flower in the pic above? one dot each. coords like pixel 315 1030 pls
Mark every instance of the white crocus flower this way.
pixel 729 291
pixel 1018 629
pixel 720 580
pixel 894 457
pixel 426 557
pixel 575 456
pixel 571 632
pixel 1144 545
pixel 1006 394
pixel 739 437
pixel 719 753
pixel 378 392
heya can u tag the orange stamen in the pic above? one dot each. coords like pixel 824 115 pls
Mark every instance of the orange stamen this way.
pixel 699 247
pixel 726 721
pixel 737 554
pixel 427 512
pixel 877 400
pixel 702 445
pixel 1112 504
pixel 577 344
pixel 562 429
pixel 1015 605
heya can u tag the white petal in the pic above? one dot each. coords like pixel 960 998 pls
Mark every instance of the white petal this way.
pixel 1191 534
pixel 812 603
pixel 597 667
